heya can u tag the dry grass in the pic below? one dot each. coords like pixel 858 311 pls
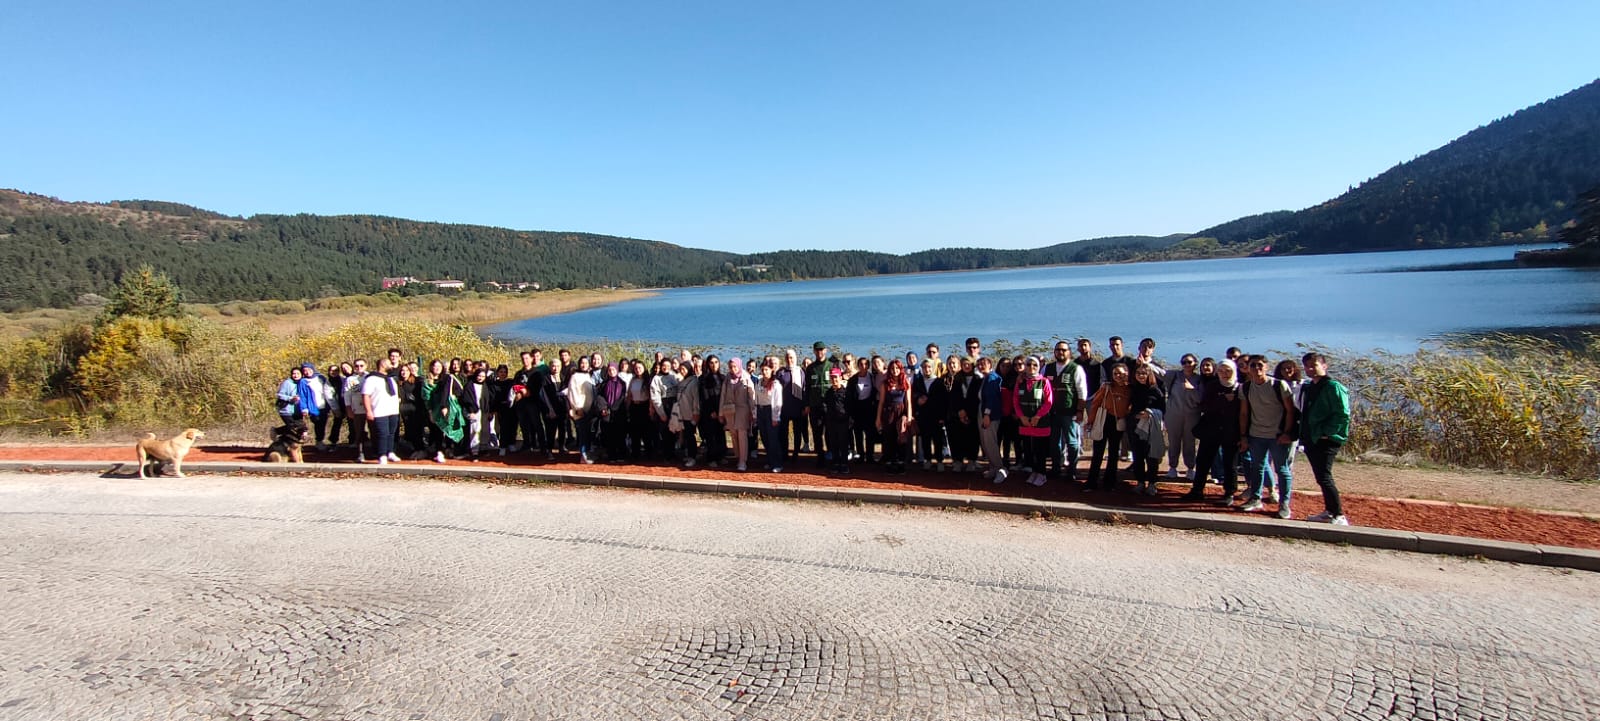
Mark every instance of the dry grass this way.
pixel 288 318
pixel 469 309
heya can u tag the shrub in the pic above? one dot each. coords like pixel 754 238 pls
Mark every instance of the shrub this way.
pixel 1504 402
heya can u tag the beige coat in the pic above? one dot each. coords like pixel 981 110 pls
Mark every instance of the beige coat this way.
pixel 738 403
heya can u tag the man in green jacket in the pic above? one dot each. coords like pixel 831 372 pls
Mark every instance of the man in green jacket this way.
pixel 1324 427
pixel 818 381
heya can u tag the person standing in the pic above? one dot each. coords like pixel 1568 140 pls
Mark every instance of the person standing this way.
pixel 1113 400
pixel 1090 366
pixel 580 408
pixel 1071 391
pixel 1217 428
pixel 663 398
pixel 313 392
pixel 1324 430
pixel 1034 395
pixel 837 419
pixel 533 378
pixel 688 409
pixel 770 396
pixel 928 395
pixel 895 416
pixel 737 409
pixel 1184 393
pixel 289 397
pixel 1147 406
pixel 961 415
pixel 355 408
pixel 1267 424
pixel 990 415
pixel 380 402
pixel 818 381
pixel 709 419
pixel 611 404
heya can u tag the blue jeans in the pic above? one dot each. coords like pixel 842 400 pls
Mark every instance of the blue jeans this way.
pixel 383 433
pixel 1263 451
pixel 1064 443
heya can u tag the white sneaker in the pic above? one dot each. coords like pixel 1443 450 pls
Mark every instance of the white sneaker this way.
pixel 383 461
pixel 394 458
pixel 1254 505
pixel 1340 521
pixel 1283 512
pixel 361 458
pixel 1000 476
pixel 1271 496
pixel 438 457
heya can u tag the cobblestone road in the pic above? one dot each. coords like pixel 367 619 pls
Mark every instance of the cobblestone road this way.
pixel 275 598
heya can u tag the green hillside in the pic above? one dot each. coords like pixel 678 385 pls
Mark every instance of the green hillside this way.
pixel 58 251
pixel 1513 179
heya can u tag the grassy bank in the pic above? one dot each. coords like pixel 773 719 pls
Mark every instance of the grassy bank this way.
pixel 286 318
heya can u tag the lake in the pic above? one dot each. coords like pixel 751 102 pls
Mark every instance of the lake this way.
pixel 1394 301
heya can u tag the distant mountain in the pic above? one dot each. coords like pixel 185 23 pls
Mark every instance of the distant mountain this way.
pixel 55 251
pixel 1513 179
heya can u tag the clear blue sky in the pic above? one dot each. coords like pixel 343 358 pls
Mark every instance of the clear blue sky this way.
pixel 751 126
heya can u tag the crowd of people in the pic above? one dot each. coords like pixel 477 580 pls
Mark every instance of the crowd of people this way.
pixel 1023 418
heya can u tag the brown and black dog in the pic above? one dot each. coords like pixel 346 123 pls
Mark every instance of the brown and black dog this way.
pixel 287 442
pixel 154 452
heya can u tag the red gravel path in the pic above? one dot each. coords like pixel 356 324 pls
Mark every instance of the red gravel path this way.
pixel 1506 524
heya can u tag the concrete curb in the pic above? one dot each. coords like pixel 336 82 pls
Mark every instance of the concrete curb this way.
pixel 1557 556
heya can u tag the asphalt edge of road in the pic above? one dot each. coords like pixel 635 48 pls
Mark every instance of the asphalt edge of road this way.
pixel 1555 556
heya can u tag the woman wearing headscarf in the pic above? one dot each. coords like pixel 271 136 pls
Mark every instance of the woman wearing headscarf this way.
pixel 1033 399
pixel 611 400
pixel 1217 429
pixel 289 396
pixel 313 392
pixel 738 409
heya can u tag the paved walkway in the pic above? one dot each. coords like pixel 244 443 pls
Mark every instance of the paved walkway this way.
pixel 284 598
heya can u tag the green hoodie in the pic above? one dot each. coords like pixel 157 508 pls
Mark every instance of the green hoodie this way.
pixel 1327 413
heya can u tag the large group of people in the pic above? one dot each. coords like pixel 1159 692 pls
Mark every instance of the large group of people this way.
pixel 1020 418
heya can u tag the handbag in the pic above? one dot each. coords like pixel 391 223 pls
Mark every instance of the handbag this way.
pixel 1097 426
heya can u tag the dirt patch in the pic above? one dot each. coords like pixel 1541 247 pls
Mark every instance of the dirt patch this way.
pixel 1483 518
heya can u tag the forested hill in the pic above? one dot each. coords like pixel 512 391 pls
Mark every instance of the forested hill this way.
pixel 55 251
pixel 1509 180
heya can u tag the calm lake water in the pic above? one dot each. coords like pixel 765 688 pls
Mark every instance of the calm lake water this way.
pixel 1395 301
